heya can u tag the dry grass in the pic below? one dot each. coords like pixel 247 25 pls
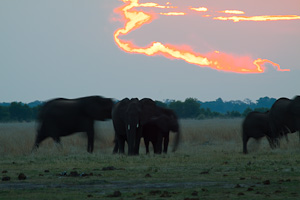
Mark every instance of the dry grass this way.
pixel 197 135
pixel 18 139
pixel 211 131
pixel 208 161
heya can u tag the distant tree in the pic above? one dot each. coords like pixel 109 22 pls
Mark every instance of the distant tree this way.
pixel 218 105
pixel 177 107
pixel 20 112
pixel 15 110
pixel 265 102
pixel 219 100
pixel 233 114
pixel 246 111
pixel 217 115
pixel 35 111
pixel 161 104
pixel 206 113
pixel 248 101
pixel 191 108
pixel 4 114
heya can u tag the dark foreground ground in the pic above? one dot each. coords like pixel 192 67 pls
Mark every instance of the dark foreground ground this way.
pixel 201 173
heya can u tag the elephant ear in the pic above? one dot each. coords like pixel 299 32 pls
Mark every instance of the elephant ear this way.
pixel 294 106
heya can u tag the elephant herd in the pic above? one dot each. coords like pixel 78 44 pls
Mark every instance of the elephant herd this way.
pixel 132 119
pixel 281 119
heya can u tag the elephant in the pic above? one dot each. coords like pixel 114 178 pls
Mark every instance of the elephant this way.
pixel 285 116
pixel 157 131
pixel 129 118
pixel 62 117
pixel 257 125
pixel 126 122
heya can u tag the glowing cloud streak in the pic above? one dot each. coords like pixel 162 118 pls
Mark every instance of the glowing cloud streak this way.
pixel 215 60
pixel 232 12
pixel 173 13
pixel 200 9
pixel 259 18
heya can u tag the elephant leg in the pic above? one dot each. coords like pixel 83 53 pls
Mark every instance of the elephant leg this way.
pixel 154 144
pixel 159 145
pixel 274 142
pixel 41 135
pixel 137 141
pixel 277 142
pixel 245 141
pixel 58 143
pixel 137 146
pixel 286 137
pixel 57 140
pixel 271 142
pixel 116 147
pixel 146 141
pixel 166 143
pixel 36 144
pixel 90 147
pixel 121 144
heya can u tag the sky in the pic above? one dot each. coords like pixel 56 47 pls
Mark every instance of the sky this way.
pixel 67 48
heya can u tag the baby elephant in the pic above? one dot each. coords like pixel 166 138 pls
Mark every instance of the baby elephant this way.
pixel 157 131
pixel 257 125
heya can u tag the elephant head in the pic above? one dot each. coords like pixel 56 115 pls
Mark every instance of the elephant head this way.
pixel 98 108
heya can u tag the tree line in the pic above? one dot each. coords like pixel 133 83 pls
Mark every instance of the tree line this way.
pixel 190 108
pixel 18 112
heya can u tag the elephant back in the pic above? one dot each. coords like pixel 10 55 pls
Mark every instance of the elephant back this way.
pixel 47 107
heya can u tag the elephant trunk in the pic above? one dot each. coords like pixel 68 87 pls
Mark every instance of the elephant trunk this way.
pixel 133 139
pixel 130 140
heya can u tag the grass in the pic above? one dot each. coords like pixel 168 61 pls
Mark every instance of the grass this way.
pixel 209 164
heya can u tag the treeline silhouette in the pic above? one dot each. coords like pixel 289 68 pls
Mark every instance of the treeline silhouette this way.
pixel 18 112
pixel 194 109
pixel 191 108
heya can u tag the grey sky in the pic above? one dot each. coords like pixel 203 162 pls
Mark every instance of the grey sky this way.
pixel 65 48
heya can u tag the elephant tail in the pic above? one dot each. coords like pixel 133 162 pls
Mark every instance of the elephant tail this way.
pixel 176 141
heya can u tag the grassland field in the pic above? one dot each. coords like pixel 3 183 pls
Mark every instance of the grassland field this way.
pixel 208 164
